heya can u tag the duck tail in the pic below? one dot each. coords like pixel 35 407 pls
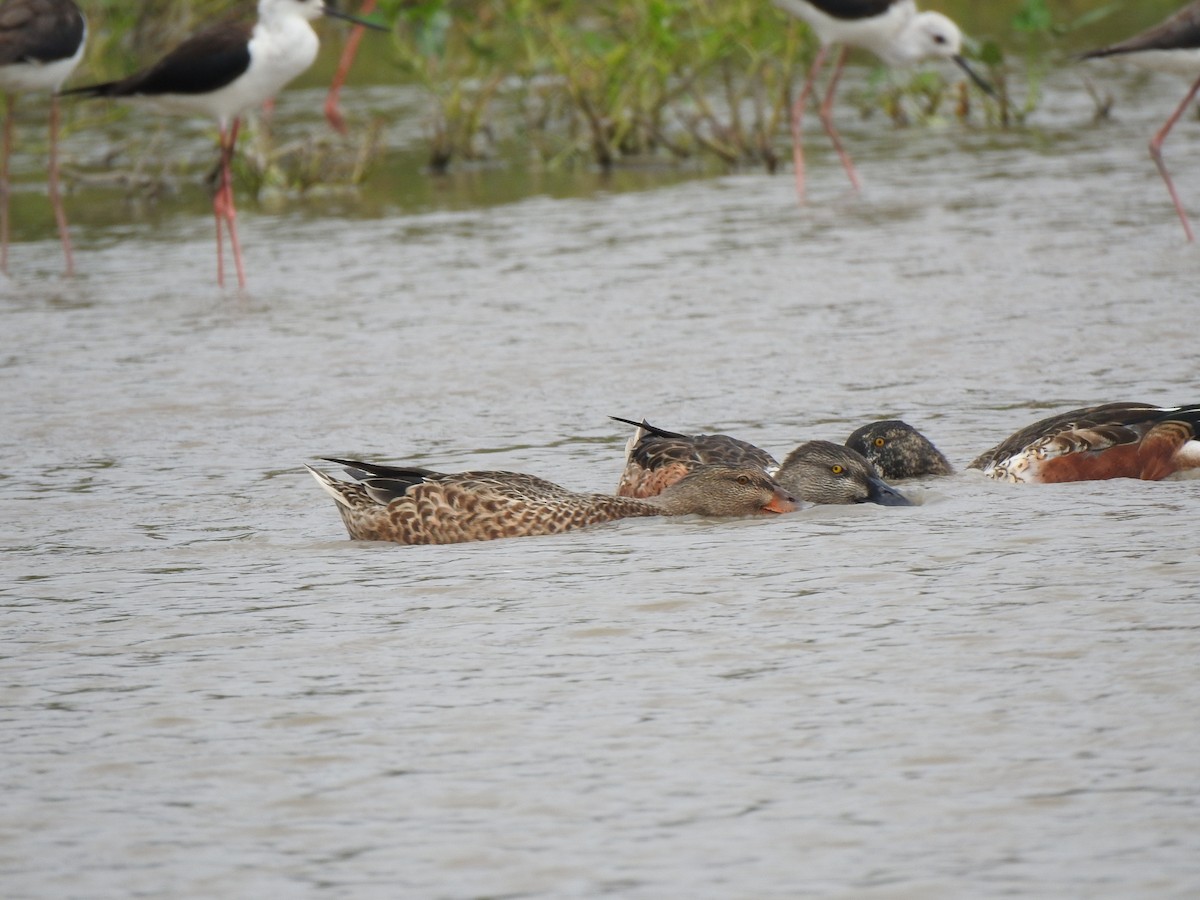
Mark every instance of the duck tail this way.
pixel 334 488
pixel 649 429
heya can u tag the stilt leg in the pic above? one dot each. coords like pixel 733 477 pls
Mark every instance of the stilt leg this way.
pixel 229 208
pixel 332 112
pixel 827 120
pixel 219 209
pixel 798 121
pixel 60 214
pixel 1156 152
pixel 10 104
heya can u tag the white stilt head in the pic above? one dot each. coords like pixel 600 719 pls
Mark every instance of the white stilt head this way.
pixel 928 35
pixel 304 9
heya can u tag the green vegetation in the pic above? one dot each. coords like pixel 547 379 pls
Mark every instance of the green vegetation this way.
pixel 705 83
pixel 607 83
pixel 698 81
pixel 1038 35
pixel 123 35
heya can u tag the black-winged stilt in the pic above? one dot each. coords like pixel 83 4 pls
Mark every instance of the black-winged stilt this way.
pixel 41 43
pixel 223 71
pixel 1172 46
pixel 891 29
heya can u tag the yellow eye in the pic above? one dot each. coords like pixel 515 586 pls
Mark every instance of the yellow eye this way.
pixel 836 469
pixel 743 479
pixel 879 442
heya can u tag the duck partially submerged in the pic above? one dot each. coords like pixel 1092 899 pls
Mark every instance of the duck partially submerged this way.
pixel 1115 440
pixel 418 506
pixel 825 472
pixel 898 451
pixel 816 471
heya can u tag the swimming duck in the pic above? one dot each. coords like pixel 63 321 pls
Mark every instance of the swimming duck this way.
pixel 897 450
pixel 1116 440
pixel 816 471
pixel 417 506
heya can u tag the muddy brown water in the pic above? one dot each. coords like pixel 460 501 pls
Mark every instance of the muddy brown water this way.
pixel 207 690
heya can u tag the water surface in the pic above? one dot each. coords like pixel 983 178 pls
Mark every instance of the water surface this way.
pixel 207 690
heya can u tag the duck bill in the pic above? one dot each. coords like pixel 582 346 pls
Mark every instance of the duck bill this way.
pixel 781 503
pixel 976 77
pixel 338 14
pixel 879 491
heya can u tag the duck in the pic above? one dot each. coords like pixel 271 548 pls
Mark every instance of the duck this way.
pixel 408 505
pixel 898 451
pixel 1095 443
pixel 816 471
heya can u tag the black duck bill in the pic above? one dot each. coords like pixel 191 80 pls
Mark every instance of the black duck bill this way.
pixel 879 491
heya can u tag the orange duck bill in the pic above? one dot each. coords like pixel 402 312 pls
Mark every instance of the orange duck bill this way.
pixel 782 502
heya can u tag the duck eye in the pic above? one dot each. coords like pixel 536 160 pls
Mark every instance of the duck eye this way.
pixel 836 469
pixel 879 442
pixel 743 479
pixel 939 39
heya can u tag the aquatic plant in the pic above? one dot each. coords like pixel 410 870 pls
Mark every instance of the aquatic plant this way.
pixel 615 82
pixel 1039 36
pixel 458 53
pixel 320 159
pixel 620 82
pixel 123 36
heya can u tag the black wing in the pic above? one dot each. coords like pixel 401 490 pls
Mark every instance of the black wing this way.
pixel 39 31
pixel 851 10
pixel 205 62
pixel 1179 32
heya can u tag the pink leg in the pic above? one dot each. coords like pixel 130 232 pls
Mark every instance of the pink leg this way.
pixel 219 210
pixel 10 103
pixel 827 120
pixel 227 207
pixel 1156 152
pixel 60 214
pixel 332 113
pixel 798 121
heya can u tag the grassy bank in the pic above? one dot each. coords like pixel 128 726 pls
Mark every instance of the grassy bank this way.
pixel 696 82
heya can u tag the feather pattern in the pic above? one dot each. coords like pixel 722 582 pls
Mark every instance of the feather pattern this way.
pixel 1114 440
pixel 419 506
pixel 656 459
pixel 898 451
pixel 816 471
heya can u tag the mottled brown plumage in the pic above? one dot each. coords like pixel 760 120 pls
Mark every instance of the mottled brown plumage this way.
pixel 655 459
pixel 418 506
pixel 816 471
pixel 1116 440
pixel 898 451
